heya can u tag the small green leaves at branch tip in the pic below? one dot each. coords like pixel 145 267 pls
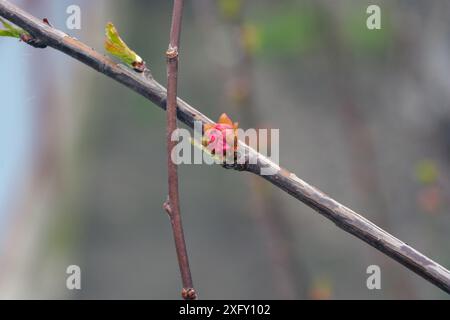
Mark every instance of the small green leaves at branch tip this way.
pixel 10 30
pixel 118 48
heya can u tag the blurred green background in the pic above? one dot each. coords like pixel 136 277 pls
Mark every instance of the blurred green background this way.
pixel 364 115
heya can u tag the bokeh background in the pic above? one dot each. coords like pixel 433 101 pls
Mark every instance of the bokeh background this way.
pixel 363 115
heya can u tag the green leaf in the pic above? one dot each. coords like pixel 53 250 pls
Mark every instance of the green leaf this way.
pixel 11 31
pixel 118 48
pixel 6 24
pixel 6 33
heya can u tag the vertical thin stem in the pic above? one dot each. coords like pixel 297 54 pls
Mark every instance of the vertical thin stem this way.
pixel 172 205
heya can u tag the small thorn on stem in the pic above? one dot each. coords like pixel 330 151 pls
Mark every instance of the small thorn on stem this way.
pixel 189 294
pixel 45 20
pixel 167 207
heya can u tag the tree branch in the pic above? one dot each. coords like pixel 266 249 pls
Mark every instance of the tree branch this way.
pixel 172 205
pixel 145 85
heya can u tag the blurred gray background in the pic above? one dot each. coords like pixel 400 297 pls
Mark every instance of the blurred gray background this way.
pixel 363 115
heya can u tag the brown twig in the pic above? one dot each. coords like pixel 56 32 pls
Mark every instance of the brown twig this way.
pixel 172 205
pixel 145 85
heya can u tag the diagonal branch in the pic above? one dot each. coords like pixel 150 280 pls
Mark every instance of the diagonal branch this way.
pixel 145 85
pixel 172 205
